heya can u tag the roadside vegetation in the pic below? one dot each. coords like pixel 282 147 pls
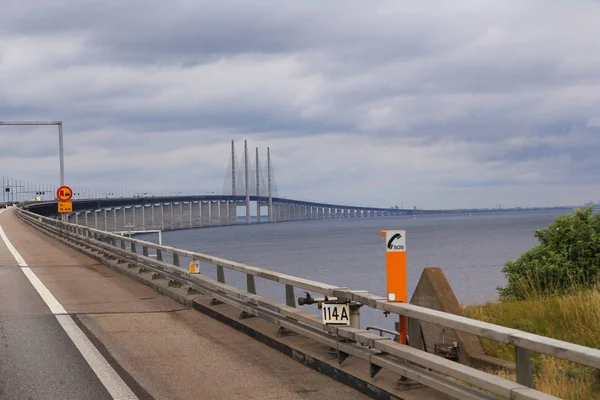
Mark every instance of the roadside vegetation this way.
pixel 553 290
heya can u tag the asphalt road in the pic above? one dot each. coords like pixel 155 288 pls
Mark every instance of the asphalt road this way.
pixel 159 348
pixel 37 358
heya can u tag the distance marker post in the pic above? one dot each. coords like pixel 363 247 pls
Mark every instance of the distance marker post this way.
pixel 395 260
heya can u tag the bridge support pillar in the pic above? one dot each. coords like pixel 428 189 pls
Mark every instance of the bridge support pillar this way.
pixel 172 215
pixel 194 214
pixel 214 213
pixel 199 213
pixel 205 214
pixel 152 216
pixel 223 213
pixel 232 214
pixel 121 220
pixel 189 215
pixel 281 213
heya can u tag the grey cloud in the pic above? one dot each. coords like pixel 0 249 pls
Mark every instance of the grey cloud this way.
pixel 147 75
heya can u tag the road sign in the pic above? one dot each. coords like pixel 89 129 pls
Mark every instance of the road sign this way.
pixel 64 193
pixel 395 241
pixel 336 314
pixel 65 207
pixel 395 260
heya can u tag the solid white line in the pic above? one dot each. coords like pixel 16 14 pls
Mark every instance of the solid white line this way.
pixel 55 307
pixel 113 383
pixel 107 375
pixel 20 261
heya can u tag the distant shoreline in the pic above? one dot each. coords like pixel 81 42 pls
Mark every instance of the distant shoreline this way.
pixel 490 210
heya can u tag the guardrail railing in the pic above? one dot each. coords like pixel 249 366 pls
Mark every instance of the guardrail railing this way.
pixel 381 352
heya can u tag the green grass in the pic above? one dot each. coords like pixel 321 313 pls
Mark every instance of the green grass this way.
pixel 573 318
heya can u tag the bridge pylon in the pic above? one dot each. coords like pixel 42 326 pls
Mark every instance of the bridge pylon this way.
pixel 245 177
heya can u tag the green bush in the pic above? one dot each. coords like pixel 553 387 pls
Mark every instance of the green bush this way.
pixel 567 259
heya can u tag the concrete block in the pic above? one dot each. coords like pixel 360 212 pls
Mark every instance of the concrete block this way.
pixel 433 291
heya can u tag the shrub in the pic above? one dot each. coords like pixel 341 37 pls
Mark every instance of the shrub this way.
pixel 567 259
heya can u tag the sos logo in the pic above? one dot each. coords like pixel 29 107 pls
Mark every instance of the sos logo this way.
pixel 397 242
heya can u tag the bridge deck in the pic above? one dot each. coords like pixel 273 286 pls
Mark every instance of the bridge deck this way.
pixel 158 348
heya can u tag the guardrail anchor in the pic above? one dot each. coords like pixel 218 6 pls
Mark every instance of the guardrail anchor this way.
pixel 173 283
pixel 282 332
pixel 215 302
pixel 406 383
pixel 246 315
pixel 156 275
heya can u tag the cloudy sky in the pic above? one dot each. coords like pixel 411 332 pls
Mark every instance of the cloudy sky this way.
pixel 438 104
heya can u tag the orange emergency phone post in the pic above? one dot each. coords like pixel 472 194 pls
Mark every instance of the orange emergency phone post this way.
pixel 395 259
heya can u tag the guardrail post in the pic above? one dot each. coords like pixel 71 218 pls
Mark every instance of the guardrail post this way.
pixel 220 274
pixel 355 315
pixel 524 373
pixel 123 244
pixel 159 255
pixel 221 279
pixel 250 285
pixel 133 248
pixel 176 259
pixel 290 299
pixel 145 251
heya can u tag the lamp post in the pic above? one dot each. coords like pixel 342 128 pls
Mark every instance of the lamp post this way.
pixel 60 143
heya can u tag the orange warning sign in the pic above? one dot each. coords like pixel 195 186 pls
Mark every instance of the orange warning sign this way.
pixel 64 193
pixel 65 207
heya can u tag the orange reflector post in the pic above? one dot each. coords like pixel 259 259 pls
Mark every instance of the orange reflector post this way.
pixel 395 260
pixel 195 267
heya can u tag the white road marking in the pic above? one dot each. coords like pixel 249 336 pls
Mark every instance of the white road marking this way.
pixel 113 383
pixel 55 307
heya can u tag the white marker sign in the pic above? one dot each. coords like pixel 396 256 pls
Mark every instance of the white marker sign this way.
pixel 395 241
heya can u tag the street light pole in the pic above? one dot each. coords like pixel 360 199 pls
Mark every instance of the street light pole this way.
pixel 61 153
pixel 60 144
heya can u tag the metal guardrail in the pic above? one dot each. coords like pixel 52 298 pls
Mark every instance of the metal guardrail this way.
pixel 382 331
pixel 381 352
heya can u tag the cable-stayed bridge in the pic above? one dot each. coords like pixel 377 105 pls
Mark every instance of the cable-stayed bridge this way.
pixel 249 195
